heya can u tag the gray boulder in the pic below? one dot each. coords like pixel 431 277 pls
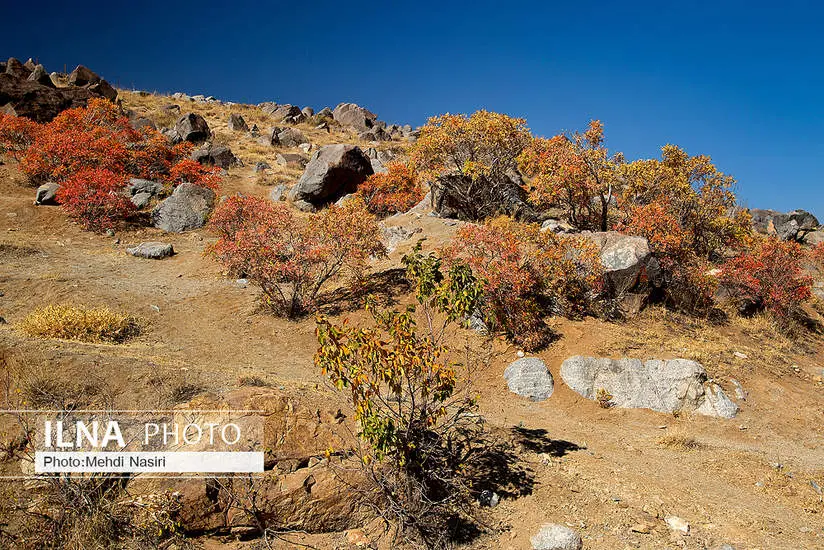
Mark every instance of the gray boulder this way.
pixel 151 251
pixel 529 377
pixel 141 200
pixel 46 194
pixel 137 185
pixel 17 69
pixel 186 209
pixel 193 128
pixel 326 112
pixel 814 237
pixel 627 261
pixel 554 536
pixel 271 136
pixel 83 76
pixel 142 122
pixel 260 167
pixel 40 76
pixel 278 193
pixel 215 155
pixel 378 167
pixel 308 112
pixel 291 137
pixel 661 385
pixel 333 171
pixel 786 226
pixel 305 206
pixel 237 124
pixel 376 133
pixel 393 235
pixel 281 112
pixel 354 116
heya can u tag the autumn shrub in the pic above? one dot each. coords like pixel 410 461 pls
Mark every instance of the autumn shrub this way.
pixel 94 197
pixel 85 324
pixel 289 257
pixel 817 255
pixel 528 274
pixel 396 190
pixel 686 208
pixel 420 429
pixel 576 172
pixel 191 171
pixel 470 161
pixel 16 134
pixel 769 276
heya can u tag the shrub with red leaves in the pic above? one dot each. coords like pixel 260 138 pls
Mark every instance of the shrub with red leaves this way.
pixel 527 274
pixel 191 171
pixel 95 198
pixel 770 276
pixel 394 191
pixel 291 258
pixel 16 134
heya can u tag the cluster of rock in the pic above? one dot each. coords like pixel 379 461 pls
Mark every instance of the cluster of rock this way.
pixel 27 90
pixel 667 386
pixel 798 225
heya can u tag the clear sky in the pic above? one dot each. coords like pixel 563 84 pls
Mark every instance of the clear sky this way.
pixel 741 81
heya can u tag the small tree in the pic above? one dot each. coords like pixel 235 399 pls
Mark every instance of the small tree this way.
pixel 95 198
pixel 420 430
pixel 471 160
pixel 575 171
pixel 395 191
pixel 291 258
pixel 528 274
pixel 770 276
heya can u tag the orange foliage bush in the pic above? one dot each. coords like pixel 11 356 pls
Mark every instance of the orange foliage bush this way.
pixel 191 171
pixel 770 276
pixel 527 274
pixel 289 257
pixel 16 134
pixel 94 198
pixel 395 191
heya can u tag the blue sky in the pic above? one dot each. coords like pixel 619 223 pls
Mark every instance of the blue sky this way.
pixel 740 81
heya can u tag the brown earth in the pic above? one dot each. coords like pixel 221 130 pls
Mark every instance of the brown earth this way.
pixel 606 472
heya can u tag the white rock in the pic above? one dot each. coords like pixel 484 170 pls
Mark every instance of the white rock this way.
pixel 553 536
pixel 677 524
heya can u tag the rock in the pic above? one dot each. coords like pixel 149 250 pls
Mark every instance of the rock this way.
pixel 375 133
pixel 716 403
pixel 333 171
pixel 40 103
pixel 186 209
pixel 554 536
pixel 305 206
pixel 193 128
pixel 215 155
pixel 378 167
pixel 281 112
pixel 489 499
pixel 357 538
pixel 739 389
pixel 352 115
pixel 557 226
pixel 661 385
pixel 394 235
pixel 529 377
pixel 291 159
pixel 326 112
pixel 142 122
pixel 424 206
pixel 151 251
pixel 46 194
pixel 308 112
pixel 291 137
pixel 83 76
pixel 237 124
pixel 814 237
pixel 678 525
pixel 104 89
pixel 137 185
pixel 271 137
pixel 631 272
pixel 278 193
pixel 261 166
pixel 141 200
pixel 456 195
pixel 786 226
pixel 40 76
pixel 16 69
pixel 305 147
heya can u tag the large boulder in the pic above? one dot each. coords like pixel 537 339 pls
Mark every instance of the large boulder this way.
pixel 15 68
pixel 193 128
pixel 333 171
pixel 38 102
pixel 280 112
pixel 661 385
pixel 354 116
pixel 40 76
pixel 151 250
pixel 787 226
pixel 814 237
pixel 186 209
pixel 629 266
pixel 138 185
pixel 83 76
pixel 291 137
pixel 46 194
pixel 237 124
pixel 215 155
pixel 529 377
pixel 457 195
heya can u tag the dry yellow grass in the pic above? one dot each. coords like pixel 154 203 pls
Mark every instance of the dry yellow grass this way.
pixel 69 322
pixel 679 442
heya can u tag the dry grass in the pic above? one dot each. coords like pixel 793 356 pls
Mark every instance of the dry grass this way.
pixel 69 322
pixel 679 442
